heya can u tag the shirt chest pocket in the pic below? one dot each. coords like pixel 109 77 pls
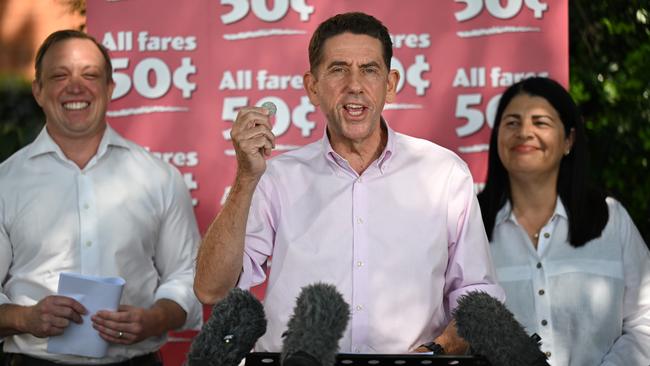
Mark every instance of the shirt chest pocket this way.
pixel 589 267
pixel 596 287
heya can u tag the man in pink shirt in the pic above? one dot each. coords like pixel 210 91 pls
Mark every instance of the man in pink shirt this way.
pixel 392 221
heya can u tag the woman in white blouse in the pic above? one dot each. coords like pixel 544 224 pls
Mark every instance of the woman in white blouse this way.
pixel 574 267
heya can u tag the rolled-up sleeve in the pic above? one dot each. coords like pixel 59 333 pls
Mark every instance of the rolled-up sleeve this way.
pixel 176 250
pixel 633 346
pixel 260 235
pixel 470 265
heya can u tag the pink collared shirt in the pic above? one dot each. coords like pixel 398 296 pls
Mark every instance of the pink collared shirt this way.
pixel 401 242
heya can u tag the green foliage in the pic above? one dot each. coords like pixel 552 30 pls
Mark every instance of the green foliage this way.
pixel 21 119
pixel 610 80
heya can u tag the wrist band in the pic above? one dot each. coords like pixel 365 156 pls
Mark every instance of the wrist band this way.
pixel 434 347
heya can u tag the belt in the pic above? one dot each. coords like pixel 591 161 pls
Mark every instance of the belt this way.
pixel 19 359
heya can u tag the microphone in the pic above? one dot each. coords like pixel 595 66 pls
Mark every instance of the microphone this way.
pixel 270 106
pixel 313 332
pixel 234 326
pixel 492 332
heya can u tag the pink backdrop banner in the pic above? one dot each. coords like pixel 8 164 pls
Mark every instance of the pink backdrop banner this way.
pixel 183 69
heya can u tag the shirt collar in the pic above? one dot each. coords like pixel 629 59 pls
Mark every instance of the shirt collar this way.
pixel 111 138
pixel 505 213
pixel 382 161
pixel 44 144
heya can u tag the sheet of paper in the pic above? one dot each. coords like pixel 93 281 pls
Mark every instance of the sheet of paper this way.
pixel 94 293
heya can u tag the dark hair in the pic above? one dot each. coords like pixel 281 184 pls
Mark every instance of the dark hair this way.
pixel 63 35
pixel 356 23
pixel 586 207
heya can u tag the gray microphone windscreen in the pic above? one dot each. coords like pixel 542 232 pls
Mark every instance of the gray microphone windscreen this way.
pixel 318 322
pixel 270 106
pixel 234 326
pixel 493 332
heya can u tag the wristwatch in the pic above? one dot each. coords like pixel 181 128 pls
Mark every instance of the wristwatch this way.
pixel 434 347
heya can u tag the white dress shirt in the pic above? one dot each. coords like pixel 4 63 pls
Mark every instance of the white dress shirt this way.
pixel 590 305
pixel 127 214
pixel 401 242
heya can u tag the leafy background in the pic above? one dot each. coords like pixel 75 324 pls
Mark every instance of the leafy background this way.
pixel 610 80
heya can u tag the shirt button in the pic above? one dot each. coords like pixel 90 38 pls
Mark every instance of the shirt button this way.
pixel 356 350
pixel 86 206
pixel 359 220
pixel 541 292
pixel 359 307
pixel 359 264
pixel 544 322
pixel 89 243
pixel 547 235
pixel 360 180
pixel 548 354
pixel 539 265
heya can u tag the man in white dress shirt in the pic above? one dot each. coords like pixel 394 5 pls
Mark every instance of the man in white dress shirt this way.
pixel 83 199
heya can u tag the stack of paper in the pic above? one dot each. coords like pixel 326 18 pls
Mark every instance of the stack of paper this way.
pixel 94 293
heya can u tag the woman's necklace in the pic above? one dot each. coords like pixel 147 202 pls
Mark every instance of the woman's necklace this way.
pixel 534 238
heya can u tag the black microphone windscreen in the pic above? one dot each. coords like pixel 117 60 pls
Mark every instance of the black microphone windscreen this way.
pixel 318 322
pixel 234 326
pixel 493 332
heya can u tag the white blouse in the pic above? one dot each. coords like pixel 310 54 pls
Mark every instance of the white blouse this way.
pixel 590 305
